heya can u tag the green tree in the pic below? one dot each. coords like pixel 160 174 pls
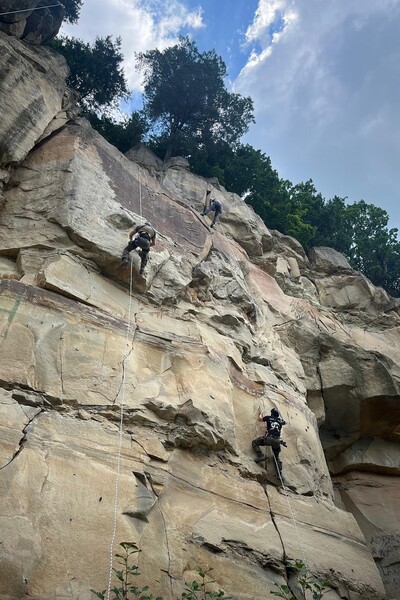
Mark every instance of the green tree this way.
pixel 72 9
pixel 248 171
pixel 122 134
pixel 96 71
pixel 186 100
pixel 375 249
pixel 334 228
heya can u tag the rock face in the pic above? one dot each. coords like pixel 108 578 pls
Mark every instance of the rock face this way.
pixel 35 21
pixel 33 92
pixel 223 323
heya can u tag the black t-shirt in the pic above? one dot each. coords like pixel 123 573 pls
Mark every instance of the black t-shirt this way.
pixel 274 425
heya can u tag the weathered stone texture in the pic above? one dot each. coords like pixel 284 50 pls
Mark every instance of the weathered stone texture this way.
pixel 32 89
pixel 223 323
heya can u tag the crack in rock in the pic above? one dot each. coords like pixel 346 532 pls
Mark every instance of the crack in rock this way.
pixel 22 440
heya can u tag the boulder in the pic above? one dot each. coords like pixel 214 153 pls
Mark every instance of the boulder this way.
pixel 353 292
pixel 143 156
pixel 327 260
pixel 32 88
pixel 37 26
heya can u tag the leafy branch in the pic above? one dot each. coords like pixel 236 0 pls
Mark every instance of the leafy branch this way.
pixel 126 574
pixel 317 587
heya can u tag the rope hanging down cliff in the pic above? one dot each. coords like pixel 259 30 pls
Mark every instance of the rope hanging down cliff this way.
pixel 121 414
pixel 121 421
pixel 286 494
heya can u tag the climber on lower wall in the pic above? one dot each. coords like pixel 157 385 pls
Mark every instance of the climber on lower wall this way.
pixel 271 438
pixel 215 206
pixel 143 237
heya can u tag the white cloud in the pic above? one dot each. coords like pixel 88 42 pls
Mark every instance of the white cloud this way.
pixel 141 24
pixel 324 80
pixel 264 17
pixel 271 20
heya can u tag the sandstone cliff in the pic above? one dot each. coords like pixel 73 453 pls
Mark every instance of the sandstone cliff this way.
pixel 223 322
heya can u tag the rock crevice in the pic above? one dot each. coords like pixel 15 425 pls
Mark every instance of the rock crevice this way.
pixel 223 322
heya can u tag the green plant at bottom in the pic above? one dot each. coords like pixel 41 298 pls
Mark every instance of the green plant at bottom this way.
pixel 198 590
pixel 125 590
pixel 317 587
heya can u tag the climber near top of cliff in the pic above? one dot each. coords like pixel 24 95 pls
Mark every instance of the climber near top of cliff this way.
pixel 215 206
pixel 143 237
pixel 271 438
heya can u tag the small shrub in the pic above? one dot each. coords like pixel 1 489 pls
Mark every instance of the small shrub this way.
pixel 199 591
pixel 125 590
pixel 317 587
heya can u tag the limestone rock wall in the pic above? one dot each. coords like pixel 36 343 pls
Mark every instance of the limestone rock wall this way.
pixel 224 322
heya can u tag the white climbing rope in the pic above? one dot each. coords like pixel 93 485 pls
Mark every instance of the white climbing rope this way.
pixel 121 414
pixel 121 422
pixel 286 494
pixel 13 12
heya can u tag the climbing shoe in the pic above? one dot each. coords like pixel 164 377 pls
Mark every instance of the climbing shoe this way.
pixel 124 262
pixel 260 458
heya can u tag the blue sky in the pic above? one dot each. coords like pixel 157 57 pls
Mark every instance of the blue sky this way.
pixel 324 77
pixel 225 24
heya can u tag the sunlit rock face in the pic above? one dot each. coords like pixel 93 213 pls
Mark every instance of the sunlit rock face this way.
pixel 224 322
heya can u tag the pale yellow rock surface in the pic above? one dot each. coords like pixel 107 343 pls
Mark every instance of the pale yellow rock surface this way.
pixel 8 269
pixel 222 325
pixel 31 94
pixel 374 500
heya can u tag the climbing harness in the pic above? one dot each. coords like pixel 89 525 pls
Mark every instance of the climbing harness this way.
pixel 14 12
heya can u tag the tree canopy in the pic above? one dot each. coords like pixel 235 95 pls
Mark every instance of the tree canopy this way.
pixel 72 9
pixel 359 230
pixel 186 100
pixel 96 71
pixel 123 134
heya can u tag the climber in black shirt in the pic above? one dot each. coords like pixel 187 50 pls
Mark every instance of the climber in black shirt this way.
pixel 271 438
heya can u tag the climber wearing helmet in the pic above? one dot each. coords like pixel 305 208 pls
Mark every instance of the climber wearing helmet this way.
pixel 215 206
pixel 271 438
pixel 143 236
